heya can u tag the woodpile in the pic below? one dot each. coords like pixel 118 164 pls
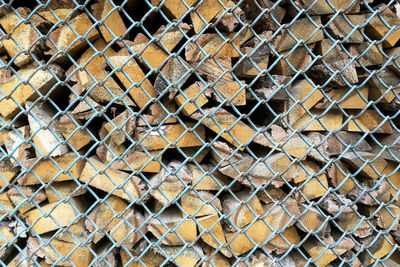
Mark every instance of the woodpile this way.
pixel 204 133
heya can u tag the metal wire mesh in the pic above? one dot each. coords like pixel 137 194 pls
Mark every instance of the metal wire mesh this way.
pixel 243 144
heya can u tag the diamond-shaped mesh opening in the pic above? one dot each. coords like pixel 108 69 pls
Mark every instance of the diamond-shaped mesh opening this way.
pixel 199 133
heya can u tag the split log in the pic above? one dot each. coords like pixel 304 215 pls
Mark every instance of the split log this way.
pixel 71 129
pixel 377 249
pixel 174 8
pixel 96 174
pixel 7 172
pixel 171 36
pixel 175 232
pixel 51 170
pixel 192 203
pixel 191 99
pixel 6 206
pixel 130 75
pixel 311 219
pixel 269 19
pixel 113 26
pixel 95 79
pixel 48 142
pixel 380 84
pixel 57 15
pixel 24 44
pixel 368 120
pixel 308 96
pixel 51 249
pixel 6 238
pixel 104 217
pixel 168 185
pixel 226 20
pixel 341 178
pixel 373 169
pixel 173 75
pixel 176 135
pixel 63 39
pixel 323 121
pixel 207 177
pixel 17 148
pixel 106 256
pixel 356 98
pixel 377 29
pixel 40 81
pixel 64 190
pixel 317 249
pixel 187 256
pixel 258 56
pixel 367 54
pixel 215 237
pixel 304 30
pixel 294 61
pixel 341 27
pixel 201 153
pixel 64 214
pixel 230 92
pixel 212 45
pixel 205 11
pixel 137 160
pixel 371 192
pixel 243 208
pixel 151 54
pixel 214 259
pixel 159 112
pixel 121 127
pixel 26 198
pixel 128 231
pixel 323 8
pixel 149 258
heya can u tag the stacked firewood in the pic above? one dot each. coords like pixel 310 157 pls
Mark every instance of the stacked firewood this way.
pixel 199 132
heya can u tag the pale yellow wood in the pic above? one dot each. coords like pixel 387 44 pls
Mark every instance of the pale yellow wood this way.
pixel 151 54
pixel 77 139
pixel 63 213
pixel 323 8
pixel 57 15
pixel 154 140
pixel 352 101
pixel 19 197
pixel 64 189
pixel 193 204
pixel 7 172
pixel 113 26
pixel 104 216
pixel 166 185
pixel 299 60
pixel 369 120
pixel 206 11
pixel 192 93
pixel 303 30
pixel 339 175
pixel 233 127
pixel 6 205
pixel 213 45
pixel 281 245
pixel 216 236
pixel 342 29
pixel 150 258
pixel 308 96
pixel 39 79
pixel 330 121
pixel 65 38
pixel 377 29
pixel 78 255
pixel 137 160
pixel 311 220
pixel 131 74
pixel 175 8
pixel 108 179
pixel 46 170
pixel 171 37
pixel 186 232
pixel 393 177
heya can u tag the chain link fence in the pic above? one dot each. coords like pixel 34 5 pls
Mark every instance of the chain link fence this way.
pixel 199 133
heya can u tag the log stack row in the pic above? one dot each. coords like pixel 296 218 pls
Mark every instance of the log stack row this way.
pixel 210 133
